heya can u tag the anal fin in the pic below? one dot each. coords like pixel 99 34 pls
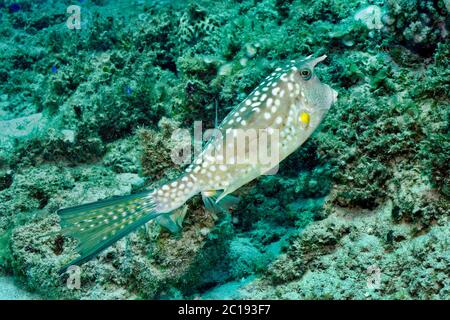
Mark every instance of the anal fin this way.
pixel 173 221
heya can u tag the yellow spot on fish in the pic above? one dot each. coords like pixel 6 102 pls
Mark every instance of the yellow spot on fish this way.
pixel 304 118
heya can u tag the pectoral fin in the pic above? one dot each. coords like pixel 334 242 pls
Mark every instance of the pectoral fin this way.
pixel 218 204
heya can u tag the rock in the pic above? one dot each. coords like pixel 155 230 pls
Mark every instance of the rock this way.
pixel 20 129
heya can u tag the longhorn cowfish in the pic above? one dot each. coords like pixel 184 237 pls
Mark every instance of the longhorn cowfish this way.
pixel 289 105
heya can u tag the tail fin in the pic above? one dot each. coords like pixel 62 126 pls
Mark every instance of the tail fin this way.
pixel 98 225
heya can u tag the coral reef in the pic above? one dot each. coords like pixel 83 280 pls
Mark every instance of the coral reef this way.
pixel 360 211
pixel 419 24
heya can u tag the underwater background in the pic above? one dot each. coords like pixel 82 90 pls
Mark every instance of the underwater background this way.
pixel 87 111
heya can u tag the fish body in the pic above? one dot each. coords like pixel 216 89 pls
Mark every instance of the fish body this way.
pixel 275 119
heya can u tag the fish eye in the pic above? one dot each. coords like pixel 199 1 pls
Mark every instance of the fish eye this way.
pixel 306 73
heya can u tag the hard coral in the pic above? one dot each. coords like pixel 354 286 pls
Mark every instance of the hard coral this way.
pixel 419 24
pixel 194 24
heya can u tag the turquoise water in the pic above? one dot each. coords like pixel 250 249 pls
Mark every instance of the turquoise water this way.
pixel 93 92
